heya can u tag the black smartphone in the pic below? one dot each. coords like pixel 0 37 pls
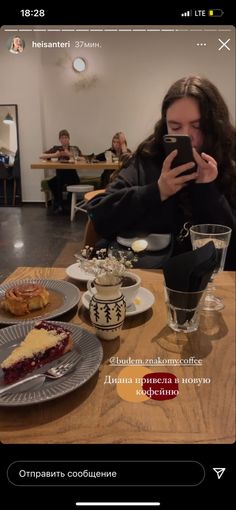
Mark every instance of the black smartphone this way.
pixel 185 154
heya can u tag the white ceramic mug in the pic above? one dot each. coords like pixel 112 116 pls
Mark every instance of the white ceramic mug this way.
pixel 129 292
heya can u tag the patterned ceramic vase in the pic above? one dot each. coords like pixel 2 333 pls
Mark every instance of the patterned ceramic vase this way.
pixel 107 309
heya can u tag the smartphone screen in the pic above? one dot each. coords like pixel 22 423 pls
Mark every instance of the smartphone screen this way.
pixel 112 440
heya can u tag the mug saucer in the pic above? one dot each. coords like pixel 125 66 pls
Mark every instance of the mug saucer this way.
pixel 142 302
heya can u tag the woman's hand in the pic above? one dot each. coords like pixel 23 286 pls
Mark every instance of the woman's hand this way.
pixel 66 152
pixel 171 181
pixel 207 167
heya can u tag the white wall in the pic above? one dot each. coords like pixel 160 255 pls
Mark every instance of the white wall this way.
pixel 122 89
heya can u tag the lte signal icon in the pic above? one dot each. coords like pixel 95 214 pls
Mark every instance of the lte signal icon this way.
pixel 186 13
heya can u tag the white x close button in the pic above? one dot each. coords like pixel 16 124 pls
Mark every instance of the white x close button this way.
pixel 224 45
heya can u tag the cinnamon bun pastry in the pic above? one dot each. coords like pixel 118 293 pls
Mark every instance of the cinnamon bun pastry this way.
pixel 25 298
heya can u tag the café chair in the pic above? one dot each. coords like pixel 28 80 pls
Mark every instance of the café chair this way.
pixel 8 178
pixel 91 237
pixel 78 205
pixel 46 190
pixel 91 194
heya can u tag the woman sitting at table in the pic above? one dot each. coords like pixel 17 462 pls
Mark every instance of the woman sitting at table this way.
pixel 117 150
pixel 63 178
pixel 154 195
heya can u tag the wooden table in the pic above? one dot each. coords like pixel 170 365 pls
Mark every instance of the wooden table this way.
pixel 95 413
pixel 80 165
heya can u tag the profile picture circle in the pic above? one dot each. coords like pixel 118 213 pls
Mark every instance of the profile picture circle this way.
pixel 16 44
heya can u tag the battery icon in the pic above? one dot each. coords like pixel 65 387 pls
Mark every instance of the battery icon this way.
pixel 215 13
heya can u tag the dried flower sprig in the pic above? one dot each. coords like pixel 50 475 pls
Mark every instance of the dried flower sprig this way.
pixel 105 266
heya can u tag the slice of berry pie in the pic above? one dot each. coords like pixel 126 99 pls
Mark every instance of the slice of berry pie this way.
pixel 44 343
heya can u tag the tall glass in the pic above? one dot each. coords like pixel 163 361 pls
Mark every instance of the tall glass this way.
pixel 108 156
pixel 220 235
pixel 75 154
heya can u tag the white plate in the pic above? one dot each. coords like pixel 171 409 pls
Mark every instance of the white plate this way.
pixel 155 241
pixel 143 301
pixel 89 347
pixel 126 241
pixel 77 273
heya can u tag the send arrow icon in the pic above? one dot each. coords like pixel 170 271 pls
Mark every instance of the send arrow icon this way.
pixel 219 472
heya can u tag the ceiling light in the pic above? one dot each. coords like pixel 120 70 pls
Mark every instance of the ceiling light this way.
pixel 79 64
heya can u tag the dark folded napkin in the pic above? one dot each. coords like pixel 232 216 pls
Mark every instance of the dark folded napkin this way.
pixel 191 271
pixel 188 273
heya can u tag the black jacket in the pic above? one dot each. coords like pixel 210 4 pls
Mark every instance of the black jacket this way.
pixel 102 157
pixel 132 206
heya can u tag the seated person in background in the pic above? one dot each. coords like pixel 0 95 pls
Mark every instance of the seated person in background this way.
pixel 118 149
pixel 63 178
pixel 152 195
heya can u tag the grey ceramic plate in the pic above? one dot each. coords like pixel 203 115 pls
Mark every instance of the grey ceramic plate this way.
pixel 88 345
pixel 63 297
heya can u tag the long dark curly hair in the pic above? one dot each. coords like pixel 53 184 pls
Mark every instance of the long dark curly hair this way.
pixel 218 132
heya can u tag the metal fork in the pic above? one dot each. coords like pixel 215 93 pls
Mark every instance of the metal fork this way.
pixel 61 368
